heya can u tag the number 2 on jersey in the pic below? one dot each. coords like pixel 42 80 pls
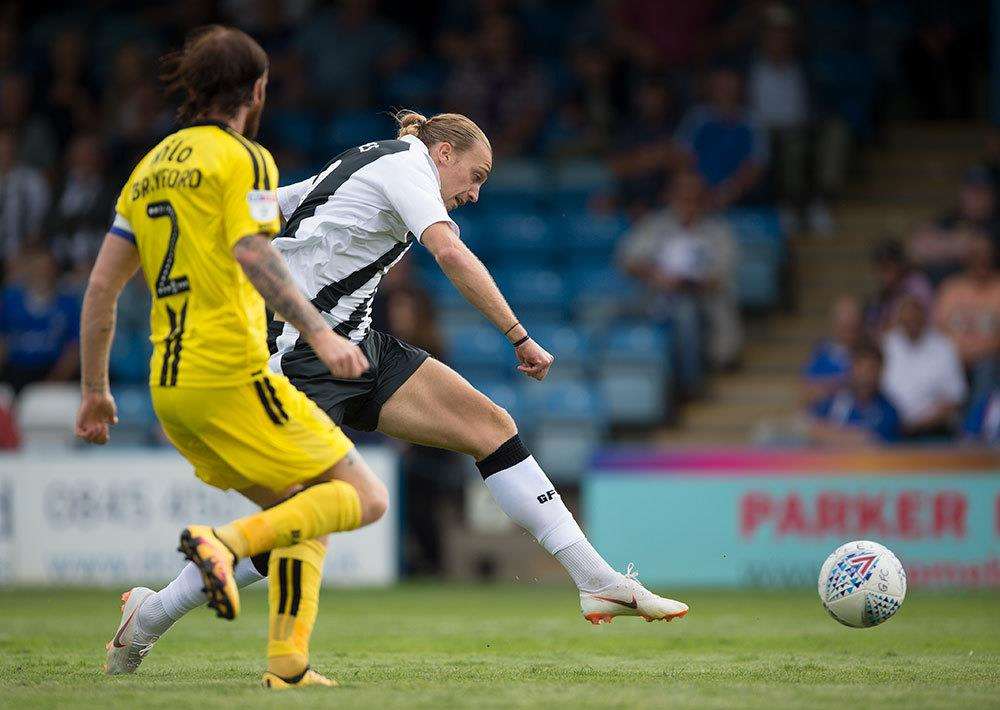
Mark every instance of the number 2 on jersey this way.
pixel 166 286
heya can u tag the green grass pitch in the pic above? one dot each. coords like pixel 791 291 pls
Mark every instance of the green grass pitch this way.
pixel 517 645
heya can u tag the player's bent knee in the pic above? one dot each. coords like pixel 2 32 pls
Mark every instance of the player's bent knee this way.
pixel 500 427
pixel 504 422
pixel 374 502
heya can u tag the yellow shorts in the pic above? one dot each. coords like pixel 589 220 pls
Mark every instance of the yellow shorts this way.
pixel 263 433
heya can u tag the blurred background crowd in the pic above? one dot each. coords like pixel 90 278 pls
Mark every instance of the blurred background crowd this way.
pixel 677 187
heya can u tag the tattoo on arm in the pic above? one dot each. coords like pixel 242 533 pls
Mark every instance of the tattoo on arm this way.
pixel 268 273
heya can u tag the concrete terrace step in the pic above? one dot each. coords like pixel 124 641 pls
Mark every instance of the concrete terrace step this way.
pixel 732 415
pixel 775 358
pixel 776 388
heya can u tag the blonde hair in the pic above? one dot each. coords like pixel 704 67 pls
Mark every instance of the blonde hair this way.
pixel 454 128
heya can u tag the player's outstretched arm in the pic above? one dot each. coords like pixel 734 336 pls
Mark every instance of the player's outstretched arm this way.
pixel 471 278
pixel 269 274
pixel 115 265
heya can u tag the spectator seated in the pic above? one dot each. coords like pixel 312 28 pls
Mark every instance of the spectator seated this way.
pixel 923 375
pixel 856 413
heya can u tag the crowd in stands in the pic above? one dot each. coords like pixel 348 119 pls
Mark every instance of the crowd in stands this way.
pixel 710 130
pixel 919 361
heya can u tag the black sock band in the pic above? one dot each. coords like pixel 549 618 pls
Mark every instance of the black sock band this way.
pixel 261 561
pixel 511 452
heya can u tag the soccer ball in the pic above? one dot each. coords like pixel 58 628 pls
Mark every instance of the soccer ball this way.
pixel 862 584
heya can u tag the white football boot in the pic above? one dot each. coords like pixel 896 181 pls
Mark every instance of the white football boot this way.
pixel 628 598
pixel 126 649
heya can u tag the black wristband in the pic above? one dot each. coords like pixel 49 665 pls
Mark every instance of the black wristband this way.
pixel 512 327
pixel 522 341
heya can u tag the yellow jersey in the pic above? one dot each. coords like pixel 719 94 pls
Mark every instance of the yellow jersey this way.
pixel 186 204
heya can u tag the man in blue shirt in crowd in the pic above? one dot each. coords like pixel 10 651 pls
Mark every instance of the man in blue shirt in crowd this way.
pixel 830 364
pixel 39 327
pixel 858 413
pixel 727 148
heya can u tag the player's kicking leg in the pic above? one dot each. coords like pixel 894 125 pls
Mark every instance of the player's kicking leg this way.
pixel 468 422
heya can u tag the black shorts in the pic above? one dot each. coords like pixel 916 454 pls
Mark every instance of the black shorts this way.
pixel 356 403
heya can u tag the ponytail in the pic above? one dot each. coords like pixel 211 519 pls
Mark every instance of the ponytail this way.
pixel 454 128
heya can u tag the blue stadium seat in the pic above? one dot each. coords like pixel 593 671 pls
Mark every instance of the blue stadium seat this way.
pixel 568 344
pixel 759 226
pixel 479 352
pixel 589 239
pixel 635 374
pixel 536 294
pixel 576 182
pixel 757 278
pixel 515 185
pixel 519 238
pixel 599 292
pixel 568 424
pixel 763 249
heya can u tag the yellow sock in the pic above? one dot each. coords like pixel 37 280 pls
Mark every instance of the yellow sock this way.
pixel 294 575
pixel 328 507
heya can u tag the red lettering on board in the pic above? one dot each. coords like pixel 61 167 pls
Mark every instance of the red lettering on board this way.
pixel 831 513
pixel 950 508
pixel 870 515
pixel 793 517
pixel 908 514
pixel 755 508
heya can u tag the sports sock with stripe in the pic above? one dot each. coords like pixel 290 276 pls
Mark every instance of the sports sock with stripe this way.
pixel 527 496
pixel 159 612
pixel 294 574
pixel 328 507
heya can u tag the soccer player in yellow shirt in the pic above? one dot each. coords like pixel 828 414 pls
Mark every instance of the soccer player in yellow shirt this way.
pixel 197 215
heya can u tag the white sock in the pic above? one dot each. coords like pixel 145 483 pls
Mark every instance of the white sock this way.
pixel 585 565
pixel 159 612
pixel 527 496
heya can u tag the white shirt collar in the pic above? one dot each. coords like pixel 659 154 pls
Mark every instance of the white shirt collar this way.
pixel 413 140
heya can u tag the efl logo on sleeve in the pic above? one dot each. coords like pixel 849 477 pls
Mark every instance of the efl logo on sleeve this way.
pixel 263 205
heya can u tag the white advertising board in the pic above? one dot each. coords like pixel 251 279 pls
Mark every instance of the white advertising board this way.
pixel 109 518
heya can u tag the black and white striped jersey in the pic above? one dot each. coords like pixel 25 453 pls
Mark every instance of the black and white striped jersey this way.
pixel 348 225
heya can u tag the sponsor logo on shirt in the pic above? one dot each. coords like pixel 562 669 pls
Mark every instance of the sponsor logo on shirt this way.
pixel 263 205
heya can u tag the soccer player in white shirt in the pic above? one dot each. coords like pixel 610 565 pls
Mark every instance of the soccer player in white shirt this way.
pixel 345 228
